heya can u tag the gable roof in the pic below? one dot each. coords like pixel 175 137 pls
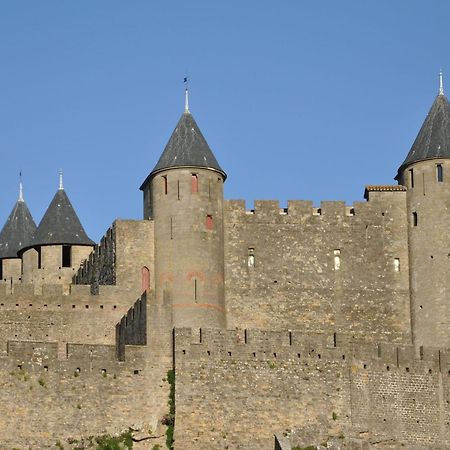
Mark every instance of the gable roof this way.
pixel 186 148
pixel 18 230
pixel 60 225
pixel 433 140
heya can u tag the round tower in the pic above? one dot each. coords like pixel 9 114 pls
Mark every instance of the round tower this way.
pixel 426 174
pixel 18 229
pixel 58 246
pixel 184 196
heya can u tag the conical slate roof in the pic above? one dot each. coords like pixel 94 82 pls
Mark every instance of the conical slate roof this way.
pixel 60 225
pixel 186 148
pixel 18 230
pixel 433 140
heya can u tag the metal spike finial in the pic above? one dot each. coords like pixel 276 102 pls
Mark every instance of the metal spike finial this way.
pixel 441 83
pixel 61 185
pixel 186 95
pixel 20 187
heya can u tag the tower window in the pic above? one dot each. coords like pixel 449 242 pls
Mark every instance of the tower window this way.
pixel 397 264
pixel 195 290
pixel 164 179
pixel 39 257
pixel 194 183
pixel 209 224
pixel 66 256
pixel 439 173
pixel 1 269
pixel 178 189
pixel 411 178
pixel 415 219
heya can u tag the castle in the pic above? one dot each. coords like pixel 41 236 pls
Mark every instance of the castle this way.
pixel 270 328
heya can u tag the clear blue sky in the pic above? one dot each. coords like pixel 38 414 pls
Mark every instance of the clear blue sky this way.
pixel 297 99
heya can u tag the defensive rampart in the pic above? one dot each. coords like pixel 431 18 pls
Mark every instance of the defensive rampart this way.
pixel 338 266
pixel 254 384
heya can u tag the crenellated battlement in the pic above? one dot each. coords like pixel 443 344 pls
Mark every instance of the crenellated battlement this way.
pixel 377 202
pixel 254 345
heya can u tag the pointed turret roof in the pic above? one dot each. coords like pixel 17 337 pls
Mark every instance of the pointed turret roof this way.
pixel 433 140
pixel 18 230
pixel 60 224
pixel 186 148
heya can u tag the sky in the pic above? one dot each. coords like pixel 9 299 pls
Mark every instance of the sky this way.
pixel 298 99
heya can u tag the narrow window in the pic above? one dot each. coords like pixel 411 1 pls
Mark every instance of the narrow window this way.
pixel 414 217
pixel 171 228
pixel 411 178
pixel 209 189
pixel 251 257
pixel 39 257
pixel 337 259
pixel 397 264
pixel 209 222
pixel 194 183
pixel 439 173
pixel 66 256
pixel 1 269
pixel 178 189
pixel 195 290
pixel 164 178
pixel 145 279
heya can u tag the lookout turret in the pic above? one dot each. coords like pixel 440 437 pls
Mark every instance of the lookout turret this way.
pixel 59 244
pixel 426 174
pixel 183 194
pixel 18 229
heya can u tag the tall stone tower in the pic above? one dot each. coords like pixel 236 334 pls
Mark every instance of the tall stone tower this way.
pixel 183 194
pixel 426 174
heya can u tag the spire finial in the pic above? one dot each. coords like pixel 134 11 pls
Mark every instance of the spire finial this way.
pixel 186 95
pixel 441 83
pixel 61 185
pixel 20 187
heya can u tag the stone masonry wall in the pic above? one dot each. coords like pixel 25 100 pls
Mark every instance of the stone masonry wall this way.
pixel 119 259
pixel 312 269
pixel 57 314
pixel 46 398
pixel 236 389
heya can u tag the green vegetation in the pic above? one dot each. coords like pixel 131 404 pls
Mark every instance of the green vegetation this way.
pixel 41 382
pixel 156 447
pixel 105 442
pixel 272 365
pixel 334 416
pixel 169 420
pixel 309 447
pixel 59 445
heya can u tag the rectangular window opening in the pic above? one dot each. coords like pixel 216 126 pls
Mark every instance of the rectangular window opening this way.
pixel 251 257
pixel 39 257
pixel 194 183
pixel 411 178
pixel 178 189
pixel 1 269
pixel 337 259
pixel 171 228
pixel 195 291
pixel 397 264
pixel 164 178
pixel 66 256
pixel 439 173
pixel 209 223
pixel 415 219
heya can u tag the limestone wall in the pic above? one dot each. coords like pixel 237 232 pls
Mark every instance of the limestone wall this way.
pixel 236 389
pixel 46 398
pixel 306 268
pixel 123 253
pixel 61 314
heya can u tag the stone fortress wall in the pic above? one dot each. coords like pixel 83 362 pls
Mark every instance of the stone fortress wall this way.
pixel 336 266
pixel 254 383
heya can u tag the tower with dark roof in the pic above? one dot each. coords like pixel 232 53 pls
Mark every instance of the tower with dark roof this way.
pixel 183 194
pixel 18 229
pixel 58 246
pixel 426 174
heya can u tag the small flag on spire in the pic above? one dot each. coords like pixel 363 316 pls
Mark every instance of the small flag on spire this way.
pixel 186 95
pixel 20 187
